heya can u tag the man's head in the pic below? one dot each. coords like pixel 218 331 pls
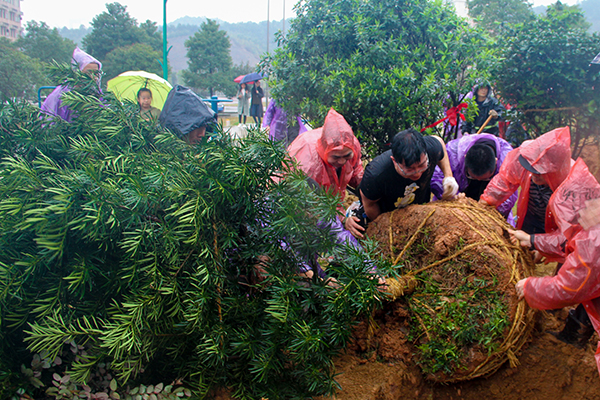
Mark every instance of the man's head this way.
pixel 186 115
pixel 536 177
pixel 84 61
pixel 409 154
pixel 337 158
pixel 337 143
pixel 482 92
pixel 548 157
pixel 195 136
pixel 480 162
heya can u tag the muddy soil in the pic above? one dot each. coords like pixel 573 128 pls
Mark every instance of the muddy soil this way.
pixel 591 155
pixel 548 369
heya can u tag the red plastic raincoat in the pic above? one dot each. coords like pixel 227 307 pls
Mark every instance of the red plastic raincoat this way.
pixel 578 280
pixel 312 148
pixel 550 154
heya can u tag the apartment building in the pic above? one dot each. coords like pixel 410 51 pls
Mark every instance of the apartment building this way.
pixel 10 19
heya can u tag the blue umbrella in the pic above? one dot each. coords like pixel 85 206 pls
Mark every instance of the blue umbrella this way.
pixel 251 77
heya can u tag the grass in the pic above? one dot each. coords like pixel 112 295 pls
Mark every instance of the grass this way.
pixel 474 314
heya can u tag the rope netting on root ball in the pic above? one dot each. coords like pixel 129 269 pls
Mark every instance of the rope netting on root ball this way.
pixel 456 288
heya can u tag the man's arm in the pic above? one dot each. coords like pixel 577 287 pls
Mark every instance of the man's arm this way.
pixel 371 207
pixel 505 182
pixel 444 163
pixel 449 183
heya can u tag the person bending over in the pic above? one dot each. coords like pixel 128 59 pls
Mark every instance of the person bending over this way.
pixel 402 176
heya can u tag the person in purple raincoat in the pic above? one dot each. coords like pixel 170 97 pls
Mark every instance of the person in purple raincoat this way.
pixel 279 130
pixel 474 160
pixel 53 105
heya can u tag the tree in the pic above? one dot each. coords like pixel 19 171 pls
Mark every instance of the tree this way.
pixel 495 15
pixel 116 28
pixel 20 75
pixel 209 64
pixel 131 58
pixel 150 35
pixel 567 16
pixel 45 44
pixel 545 74
pixel 122 239
pixel 384 65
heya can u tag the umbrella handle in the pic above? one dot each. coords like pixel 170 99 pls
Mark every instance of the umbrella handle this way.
pixel 484 124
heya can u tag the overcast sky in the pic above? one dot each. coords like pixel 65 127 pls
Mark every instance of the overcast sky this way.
pixel 73 13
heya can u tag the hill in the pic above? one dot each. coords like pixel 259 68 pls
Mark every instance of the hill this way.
pixel 248 39
pixel 590 8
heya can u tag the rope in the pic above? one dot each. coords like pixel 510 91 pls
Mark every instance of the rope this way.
pixel 412 239
pixel 508 254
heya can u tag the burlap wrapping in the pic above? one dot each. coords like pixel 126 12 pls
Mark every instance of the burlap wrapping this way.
pixel 457 257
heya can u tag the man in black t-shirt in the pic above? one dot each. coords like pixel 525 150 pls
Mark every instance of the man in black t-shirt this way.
pixel 402 175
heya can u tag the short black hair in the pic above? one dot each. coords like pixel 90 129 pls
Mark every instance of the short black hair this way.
pixel 142 90
pixel 408 146
pixel 480 160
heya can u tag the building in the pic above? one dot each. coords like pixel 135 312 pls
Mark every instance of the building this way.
pixel 10 19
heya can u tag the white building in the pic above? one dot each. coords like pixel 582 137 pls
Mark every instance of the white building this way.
pixel 10 19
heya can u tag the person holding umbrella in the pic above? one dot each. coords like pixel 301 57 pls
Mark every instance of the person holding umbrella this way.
pixel 147 112
pixel 131 86
pixel 256 106
pixel 243 96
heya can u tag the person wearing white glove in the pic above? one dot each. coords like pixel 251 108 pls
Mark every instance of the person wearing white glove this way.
pixel 450 188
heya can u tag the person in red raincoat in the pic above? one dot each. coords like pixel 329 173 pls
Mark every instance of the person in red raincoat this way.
pixel 578 280
pixel 331 156
pixel 549 156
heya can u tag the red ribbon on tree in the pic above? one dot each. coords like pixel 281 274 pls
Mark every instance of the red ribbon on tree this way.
pixel 452 115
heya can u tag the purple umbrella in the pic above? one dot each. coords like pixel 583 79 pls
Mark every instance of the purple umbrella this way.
pixel 251 77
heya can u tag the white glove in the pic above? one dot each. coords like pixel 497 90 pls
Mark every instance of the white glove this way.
pixel 450 188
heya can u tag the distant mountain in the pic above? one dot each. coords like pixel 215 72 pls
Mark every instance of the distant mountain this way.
pixel 591 10
pixel 75 35
pixel 248 39
pixel 539 10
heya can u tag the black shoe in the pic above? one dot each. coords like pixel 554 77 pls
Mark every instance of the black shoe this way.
pixel 575 333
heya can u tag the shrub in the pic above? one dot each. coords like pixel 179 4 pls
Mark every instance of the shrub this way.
pixel 116 236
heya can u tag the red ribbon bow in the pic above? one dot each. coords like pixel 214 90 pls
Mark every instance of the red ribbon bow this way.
pixel 452 115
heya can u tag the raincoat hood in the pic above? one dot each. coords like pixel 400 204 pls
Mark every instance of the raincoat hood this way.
pixel 490 94
pixel 570 197
pixel 550 155
pixel 81 59
pixel 312 148
pixel 184 111
pixel 337 135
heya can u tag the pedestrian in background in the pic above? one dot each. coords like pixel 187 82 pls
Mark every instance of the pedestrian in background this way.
pixel 243 96
pixel 256 106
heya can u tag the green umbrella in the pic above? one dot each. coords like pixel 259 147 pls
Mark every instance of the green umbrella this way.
pixel 127 85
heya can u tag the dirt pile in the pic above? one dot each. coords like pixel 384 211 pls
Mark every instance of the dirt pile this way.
pixel 462 321
pixel 547 369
